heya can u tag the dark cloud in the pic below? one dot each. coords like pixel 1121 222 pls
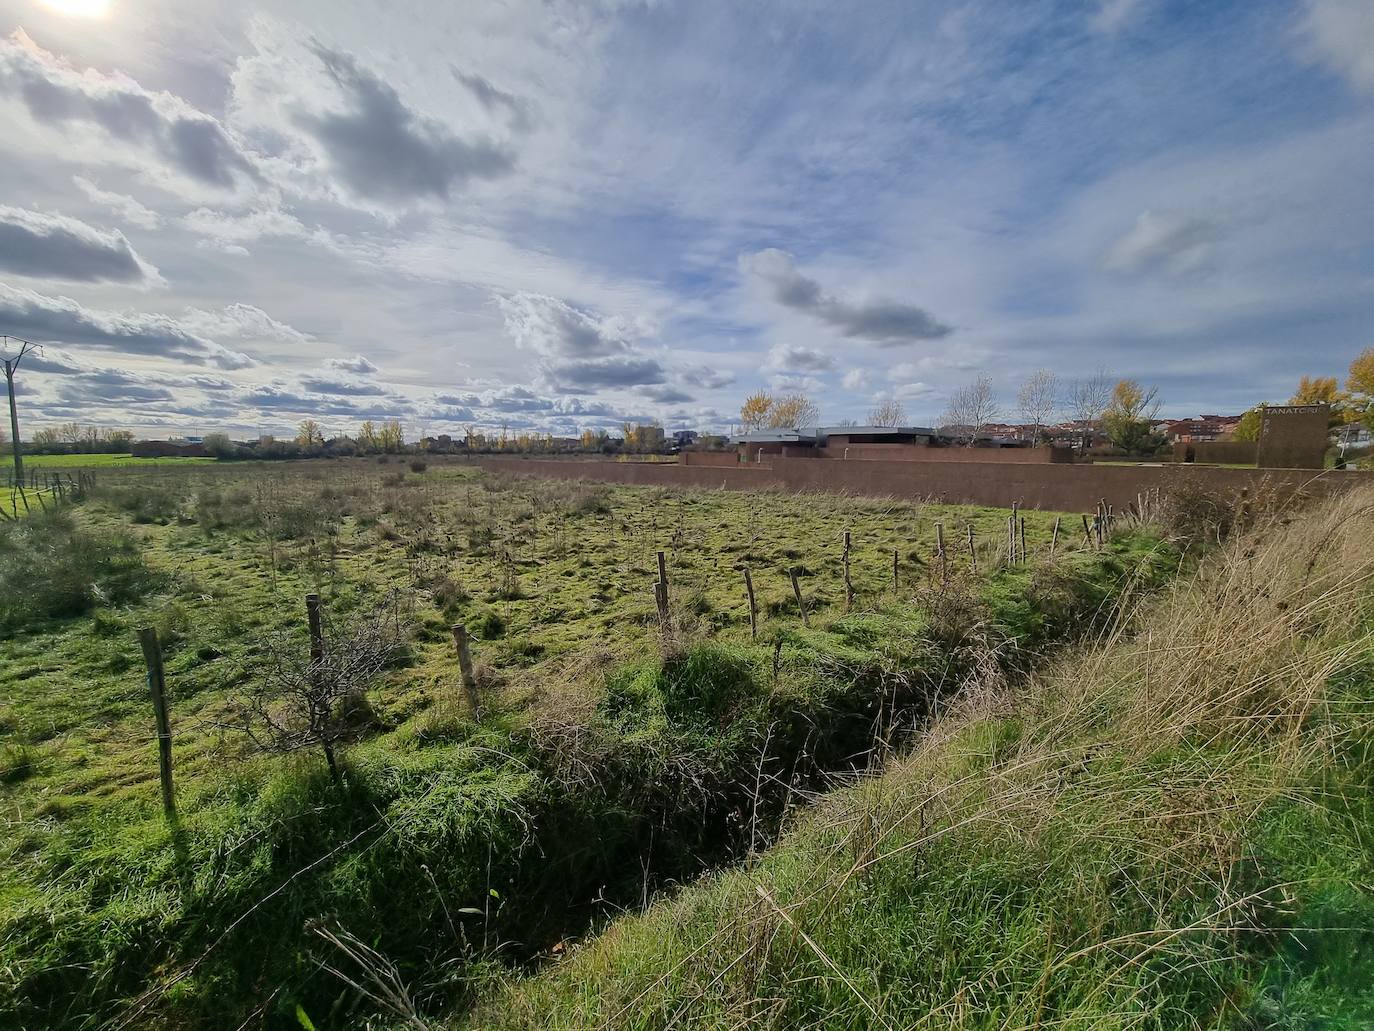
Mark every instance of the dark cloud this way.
pixel 279 397
pixel 347 388
pixel 185 139
pixel 384 151
pixel 496 101
pixel 669 395
pixel 796 358
pixel 34 243
pixel 707 378
pixel 884 322
pixel 357 364
pixel 596 373
pixel 61 320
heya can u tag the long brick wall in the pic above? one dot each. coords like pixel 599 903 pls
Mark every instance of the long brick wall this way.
pixel 1068 488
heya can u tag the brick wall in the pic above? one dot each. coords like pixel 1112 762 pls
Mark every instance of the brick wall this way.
pixel 1068 488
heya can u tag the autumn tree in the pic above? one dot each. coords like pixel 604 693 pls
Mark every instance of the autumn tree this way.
pixel 887 412
pixel 792 411
pixel 391 437
pixel 753 414
pixel 367 436
pixel 1129 415
pixel 970 409
pixel 1359 386
pixel 1316 390
pixel 1248 429
pixel 1037 399
pixel 309 434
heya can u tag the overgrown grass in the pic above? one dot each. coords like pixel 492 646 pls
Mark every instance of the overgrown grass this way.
pixel 1169 829
pixel 51 569
pixel 614 761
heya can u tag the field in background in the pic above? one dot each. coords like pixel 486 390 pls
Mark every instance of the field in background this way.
pixel 106 461
pixel 615 758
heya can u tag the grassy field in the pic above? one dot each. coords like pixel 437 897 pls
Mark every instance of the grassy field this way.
pixel 614 757
pixel 1167 829
pixel 65 462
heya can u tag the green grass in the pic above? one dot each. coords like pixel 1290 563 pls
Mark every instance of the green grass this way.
pixel 614 759
pixel 1168 829
pixel 107 461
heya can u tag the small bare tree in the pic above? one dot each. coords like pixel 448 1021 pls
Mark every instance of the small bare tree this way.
pixel 887 412
pixel 970 409
pixel 1038 398
pixel 1087 399
pixel 296 700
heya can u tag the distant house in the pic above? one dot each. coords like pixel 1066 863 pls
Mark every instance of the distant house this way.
pixel 1201 430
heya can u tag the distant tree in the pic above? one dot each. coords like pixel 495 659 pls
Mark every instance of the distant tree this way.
pixel 887 412
pixel 1316 390
pixel 47 436
pixel 754 413
pixel 391 437
pixel 367 437
pixel 219 445
pixel 970 409
pixel 309 434
pixel 119 438
pixel 1037 399
pixel 1359 386
pixel 1248 429
pixel 1087 399
pixel 1129 415
pixel 792 411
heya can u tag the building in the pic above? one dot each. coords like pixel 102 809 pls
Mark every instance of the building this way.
pixel 882 443
pixel 1201 430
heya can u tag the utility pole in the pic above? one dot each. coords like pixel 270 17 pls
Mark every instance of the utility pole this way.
pixel 11 364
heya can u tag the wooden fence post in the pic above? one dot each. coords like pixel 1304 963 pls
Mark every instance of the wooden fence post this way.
pixel 972 551
pixel 896 561
pixel 468 680
pixel 312 615
pixel 940 550
pixel 848 586
pixel 753 606
pixel 157 687
pixel 801 605
pixel 1087 533
pixel 1023 539
pixel 1054 538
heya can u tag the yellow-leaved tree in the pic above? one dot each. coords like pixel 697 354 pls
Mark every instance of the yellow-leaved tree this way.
pixel 1359 386
pixel 753 414
pixel 791 412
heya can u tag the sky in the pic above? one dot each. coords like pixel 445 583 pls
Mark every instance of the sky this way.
pixel 553 216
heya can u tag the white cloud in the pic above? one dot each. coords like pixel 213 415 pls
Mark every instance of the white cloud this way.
pixel 1113 15
pixel 127 208
pixel 1341 33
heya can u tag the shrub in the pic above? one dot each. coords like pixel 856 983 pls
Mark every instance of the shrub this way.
pixel 145 503
pixel 418 465
pixel 51 570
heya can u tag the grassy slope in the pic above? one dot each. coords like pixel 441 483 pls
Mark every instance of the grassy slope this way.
pixel 523 821
pixel 1167 831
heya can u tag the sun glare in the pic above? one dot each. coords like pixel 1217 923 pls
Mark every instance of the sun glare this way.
pixel 79 8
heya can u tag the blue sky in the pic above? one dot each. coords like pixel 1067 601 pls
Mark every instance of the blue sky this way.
pixel 563 215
